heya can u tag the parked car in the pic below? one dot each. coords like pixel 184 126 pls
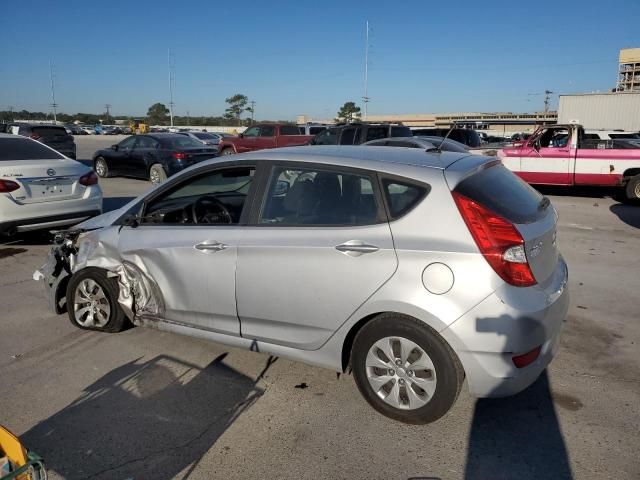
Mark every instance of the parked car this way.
pixel 562 155
pixel 312 128
pixel 259 137
pixel 153 156
pixel 206 138
pixel 411 269
pixel 463 135
pixel 41 188
pixel 75 129
pixel 88 130
pixel 359 132
pixel 430 144
pixel 54 136
pixel 111 131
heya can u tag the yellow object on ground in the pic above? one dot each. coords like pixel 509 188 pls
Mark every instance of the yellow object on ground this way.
pixel 12 447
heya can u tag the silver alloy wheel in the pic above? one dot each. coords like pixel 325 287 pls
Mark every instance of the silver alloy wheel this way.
pixel 100 168
pixel 401 373
pixel 154 176
pixel 636 190
pixel 91 305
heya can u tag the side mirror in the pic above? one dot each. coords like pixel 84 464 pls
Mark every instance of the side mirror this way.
pixel 241 135
pixel 282 187
pixel 130 220
pixel 114 148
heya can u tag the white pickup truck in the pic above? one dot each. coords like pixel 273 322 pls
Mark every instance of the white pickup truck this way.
pixel 565 155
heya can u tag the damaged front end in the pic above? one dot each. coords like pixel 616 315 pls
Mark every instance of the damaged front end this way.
pixel 77 249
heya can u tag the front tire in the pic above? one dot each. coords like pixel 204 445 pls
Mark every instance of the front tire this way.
pixel 101 167
pixel 92 301
pixel 405 370
pixel 157 175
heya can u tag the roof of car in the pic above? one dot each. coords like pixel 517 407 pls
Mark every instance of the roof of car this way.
pixel 355 156
pixel 161 135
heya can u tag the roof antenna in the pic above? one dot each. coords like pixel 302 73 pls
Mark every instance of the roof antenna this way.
pixel 439 147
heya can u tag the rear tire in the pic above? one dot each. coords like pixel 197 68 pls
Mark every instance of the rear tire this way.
pixel 228 151
pixel 92 301
pixel 101 167
pixel 422 358
pixel 632 190
pixel 157 175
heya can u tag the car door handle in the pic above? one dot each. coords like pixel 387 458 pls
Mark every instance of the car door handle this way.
pixel 211 247
pixel 356 246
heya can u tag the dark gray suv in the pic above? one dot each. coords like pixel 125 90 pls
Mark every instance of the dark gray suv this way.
pixel 53 136
pixel 359 132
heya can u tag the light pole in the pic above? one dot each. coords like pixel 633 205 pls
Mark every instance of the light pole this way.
pixel 53 93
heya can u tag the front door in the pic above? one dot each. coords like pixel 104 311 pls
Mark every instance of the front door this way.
pixel 320 248
pixel 547 157
pixel 119 159
pixel 187 246
pixel 141 156
pixel 247 142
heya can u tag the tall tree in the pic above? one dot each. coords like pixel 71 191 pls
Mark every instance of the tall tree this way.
pixel 348 112
pixel 157 114
pixel 237 105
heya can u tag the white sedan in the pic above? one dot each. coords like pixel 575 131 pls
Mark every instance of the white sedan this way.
pixel 41 188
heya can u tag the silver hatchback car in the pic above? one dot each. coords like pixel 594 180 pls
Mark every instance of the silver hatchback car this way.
pixel 411 269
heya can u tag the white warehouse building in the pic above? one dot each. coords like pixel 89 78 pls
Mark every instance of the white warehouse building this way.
pixel 609 111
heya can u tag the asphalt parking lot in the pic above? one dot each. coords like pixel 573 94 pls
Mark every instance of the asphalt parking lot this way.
pixel 145 404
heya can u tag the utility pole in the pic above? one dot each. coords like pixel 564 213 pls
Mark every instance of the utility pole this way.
pixel 366 98
pixel 170 84
pixel 253 107
pixel 188 119
pixel 107 106
pixel 53 93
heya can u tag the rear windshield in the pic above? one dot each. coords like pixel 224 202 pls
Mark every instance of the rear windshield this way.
pixel 504 193
pixel 206 136
pixel 23 149
pixel 49 131
pixel 181 141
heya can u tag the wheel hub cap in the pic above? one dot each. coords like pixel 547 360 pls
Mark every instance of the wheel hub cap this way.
pixel 91 306
pixel 401 373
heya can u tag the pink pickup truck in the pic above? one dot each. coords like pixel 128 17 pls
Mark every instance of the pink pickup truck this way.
pixel 564 155
pixel 266 135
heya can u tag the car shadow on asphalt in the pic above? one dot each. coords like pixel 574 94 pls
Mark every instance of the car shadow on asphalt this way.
pixel 629 214
pixel 517 437
pixel 145 419
pixel 580 191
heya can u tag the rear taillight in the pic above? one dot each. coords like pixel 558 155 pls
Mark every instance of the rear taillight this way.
pixel 179 155
pixel 35 136
pixel 7 186
pixel 88 179
pixel 498 240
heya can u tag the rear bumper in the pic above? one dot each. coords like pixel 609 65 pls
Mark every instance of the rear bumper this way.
pixel 49 221
pixel 511 321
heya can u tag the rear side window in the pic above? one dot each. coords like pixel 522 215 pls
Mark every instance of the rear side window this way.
pixel 21 149
pixel 289 130
pixel 504 193
pixel 374 133
pixel 49 131
pixel 401 132
pixel 315 130
pixel 402 197
pixel 180 141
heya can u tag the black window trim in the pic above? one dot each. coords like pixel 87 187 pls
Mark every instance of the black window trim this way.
pixel 262 191
pixel 141 207
pixel 390 178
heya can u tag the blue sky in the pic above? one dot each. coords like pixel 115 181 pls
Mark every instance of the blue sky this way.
pixel 300 57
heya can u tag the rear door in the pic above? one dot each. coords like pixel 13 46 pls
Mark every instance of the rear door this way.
pixel 320 247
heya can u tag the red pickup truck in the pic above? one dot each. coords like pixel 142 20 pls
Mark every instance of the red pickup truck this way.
pixel 267 135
